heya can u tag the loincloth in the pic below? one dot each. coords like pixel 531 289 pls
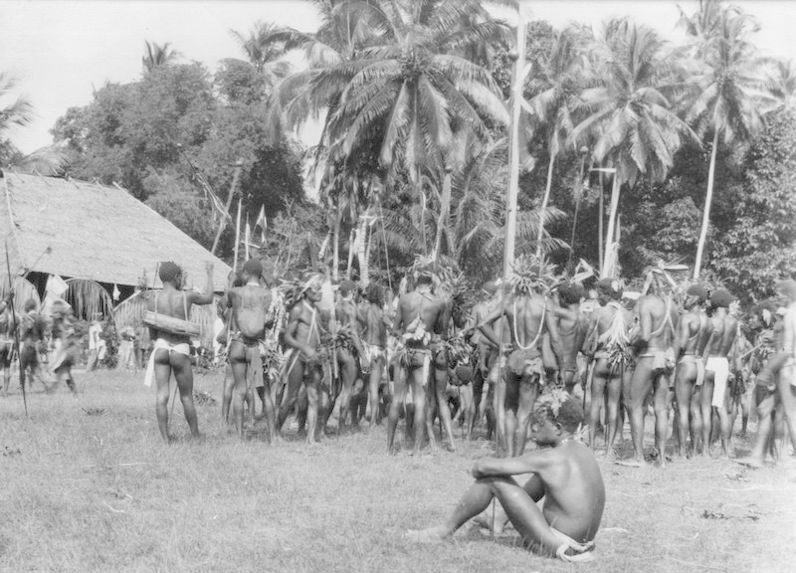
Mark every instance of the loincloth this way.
pixel 371 353
pixel 720 367
pixel 617 355
pixel 295 357
pixel 414 357
pixel 526 362
pixel 700 366
pixel 6 352
pixel 161 344
pixel 661 359
pixel 578 552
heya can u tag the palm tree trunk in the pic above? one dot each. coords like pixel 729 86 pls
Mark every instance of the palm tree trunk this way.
pixel 600 222
pixel 545 199
pixel 609 239
pixel 703 234
pixel 444 210
pixel 362 252
pixel 336 247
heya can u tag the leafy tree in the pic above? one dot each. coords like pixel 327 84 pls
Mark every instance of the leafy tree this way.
pixel 557 79
pixel 759 245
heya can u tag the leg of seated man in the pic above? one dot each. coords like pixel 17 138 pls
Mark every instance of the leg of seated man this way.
pixel 526 517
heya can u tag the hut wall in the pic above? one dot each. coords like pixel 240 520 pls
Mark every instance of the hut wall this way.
pixel 23 290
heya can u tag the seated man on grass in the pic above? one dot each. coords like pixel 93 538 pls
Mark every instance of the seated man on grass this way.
pixel 564 473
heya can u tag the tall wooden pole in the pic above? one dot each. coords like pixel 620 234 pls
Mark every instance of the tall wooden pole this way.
pixel 514 145
pixel 703 233
pixel 609 236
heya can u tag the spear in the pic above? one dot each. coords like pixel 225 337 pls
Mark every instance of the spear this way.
pixel 16 330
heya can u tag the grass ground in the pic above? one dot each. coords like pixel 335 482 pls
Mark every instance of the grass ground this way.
pixel 87 485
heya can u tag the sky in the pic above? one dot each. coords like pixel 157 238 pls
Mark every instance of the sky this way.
pixel 61 51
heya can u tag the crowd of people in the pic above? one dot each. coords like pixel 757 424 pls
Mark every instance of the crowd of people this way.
pixel 675 351
pixel 562 361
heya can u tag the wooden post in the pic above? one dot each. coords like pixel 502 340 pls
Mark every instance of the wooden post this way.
pixel 514 145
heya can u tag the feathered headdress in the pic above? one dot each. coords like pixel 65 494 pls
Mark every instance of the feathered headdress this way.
pixel 550 401
pixel 530 274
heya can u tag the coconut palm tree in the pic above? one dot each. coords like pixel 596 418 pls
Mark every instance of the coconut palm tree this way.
pixel 730 98
pixel 18 112
pixel 554 83
pixel 782 82
pixel 415 90
pixel 629 117
pixel 158 55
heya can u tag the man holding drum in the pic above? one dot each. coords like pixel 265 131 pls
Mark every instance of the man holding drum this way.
pixel 169 325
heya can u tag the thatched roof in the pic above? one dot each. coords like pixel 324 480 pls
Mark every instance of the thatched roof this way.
pixel 95 232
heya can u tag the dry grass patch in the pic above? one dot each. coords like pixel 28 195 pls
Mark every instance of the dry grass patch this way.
pixel 88 486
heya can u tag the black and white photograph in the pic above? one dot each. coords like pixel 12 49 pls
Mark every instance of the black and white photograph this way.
pixel 440 286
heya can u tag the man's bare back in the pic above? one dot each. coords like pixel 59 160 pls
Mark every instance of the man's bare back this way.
pixel 250 304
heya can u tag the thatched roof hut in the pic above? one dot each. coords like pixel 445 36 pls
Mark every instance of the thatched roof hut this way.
pixel 95 232
pixel 95 236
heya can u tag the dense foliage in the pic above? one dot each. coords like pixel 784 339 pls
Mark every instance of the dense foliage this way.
pixel 412 158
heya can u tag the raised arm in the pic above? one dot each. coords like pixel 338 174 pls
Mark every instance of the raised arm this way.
pixel 207 296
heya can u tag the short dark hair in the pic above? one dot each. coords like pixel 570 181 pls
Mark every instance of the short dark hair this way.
pixel 374 294
pixel 610 287
pixel 169 272
pixel 561 409
pixel 570 293
pixel 253 267
pixel 720 298
pixel 424 279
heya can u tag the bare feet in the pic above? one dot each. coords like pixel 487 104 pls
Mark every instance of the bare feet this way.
pixel 430 535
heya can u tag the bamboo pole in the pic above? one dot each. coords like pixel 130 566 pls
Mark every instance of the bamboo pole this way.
pixel 514 146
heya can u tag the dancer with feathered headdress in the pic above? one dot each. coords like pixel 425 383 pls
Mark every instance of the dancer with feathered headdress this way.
pixel 526 310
